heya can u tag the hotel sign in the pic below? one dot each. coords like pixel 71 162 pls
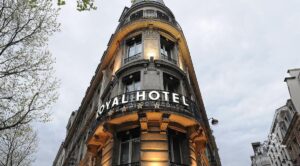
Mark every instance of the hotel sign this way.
pixel 143 96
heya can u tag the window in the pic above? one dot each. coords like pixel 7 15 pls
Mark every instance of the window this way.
pixel 178 152
pixel 167 49
pixel 171 84
pixel 134 48
pixel 136 15
pixel 283 129
pixel 132 82
pixel 296 143
pixel 129 147
pixel 162 16
pixel 288 117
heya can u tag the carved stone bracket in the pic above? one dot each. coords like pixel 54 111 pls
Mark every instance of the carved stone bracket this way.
pixel 199 141
pixel 164 123
pixel 99 139
pixel 144 122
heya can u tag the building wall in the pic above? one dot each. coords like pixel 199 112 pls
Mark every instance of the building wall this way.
pixel 260 157
pixel 292 137
pixel 277 152
pixel 283 144
pixel 293 83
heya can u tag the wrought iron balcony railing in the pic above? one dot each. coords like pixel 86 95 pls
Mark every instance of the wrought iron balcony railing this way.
pixel 168 58
pixel 177 164
pixel 131 58
pixel 153 17
pixel 130 164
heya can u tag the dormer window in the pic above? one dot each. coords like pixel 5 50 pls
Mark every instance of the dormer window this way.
pixel 134 48
pixel 162 16
pixel 136 15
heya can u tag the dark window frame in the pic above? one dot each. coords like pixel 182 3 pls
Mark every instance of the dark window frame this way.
pixel 167 49
pixel 134 80
pixel 171 83
pixel 134 48
pixel 162 16
pixel 129 137
pixel 176 144
pixel 137 15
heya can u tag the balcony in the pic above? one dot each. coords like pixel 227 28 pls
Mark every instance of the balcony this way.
pixel 154 16
pixel 130 164
pixel 177 164
pixel 131 58
pixel 164 57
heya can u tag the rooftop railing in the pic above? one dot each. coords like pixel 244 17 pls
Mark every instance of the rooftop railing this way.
pixel 153 17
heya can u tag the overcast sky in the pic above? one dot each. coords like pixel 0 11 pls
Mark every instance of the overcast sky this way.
pixel 241 50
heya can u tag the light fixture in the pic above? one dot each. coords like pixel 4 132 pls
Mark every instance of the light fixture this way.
pixel 214 121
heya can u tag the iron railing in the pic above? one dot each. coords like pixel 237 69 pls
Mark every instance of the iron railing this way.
pixel 168 58
pixel 129 164
pixel 134 57
pixel 177 164
pixel 153 17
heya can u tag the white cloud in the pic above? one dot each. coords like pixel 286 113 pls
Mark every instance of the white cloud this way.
pixel 242 49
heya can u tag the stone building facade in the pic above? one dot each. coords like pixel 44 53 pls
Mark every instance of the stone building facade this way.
pixel 292 136
pixel 260 157
pixel 283 144
pixel 276 151
pixel 144 105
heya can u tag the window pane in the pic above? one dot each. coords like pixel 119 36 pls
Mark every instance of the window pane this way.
pixel 170 83
pixel 124 153
pixel 163 52
pixel 129 88
pixel 176 150
pixel 137 86
pixel 135 151
pixel 138 48
pixel 131 51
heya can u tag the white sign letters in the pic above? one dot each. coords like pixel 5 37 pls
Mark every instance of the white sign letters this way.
pixel 143 96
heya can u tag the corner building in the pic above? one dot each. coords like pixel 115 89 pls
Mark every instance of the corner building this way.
pixel 143 106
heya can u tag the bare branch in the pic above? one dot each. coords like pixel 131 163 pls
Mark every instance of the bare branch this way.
pixel 18 145
pixel 27 85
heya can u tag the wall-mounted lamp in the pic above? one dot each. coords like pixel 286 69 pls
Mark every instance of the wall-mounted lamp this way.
pixel 151 59
pixel 213 121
